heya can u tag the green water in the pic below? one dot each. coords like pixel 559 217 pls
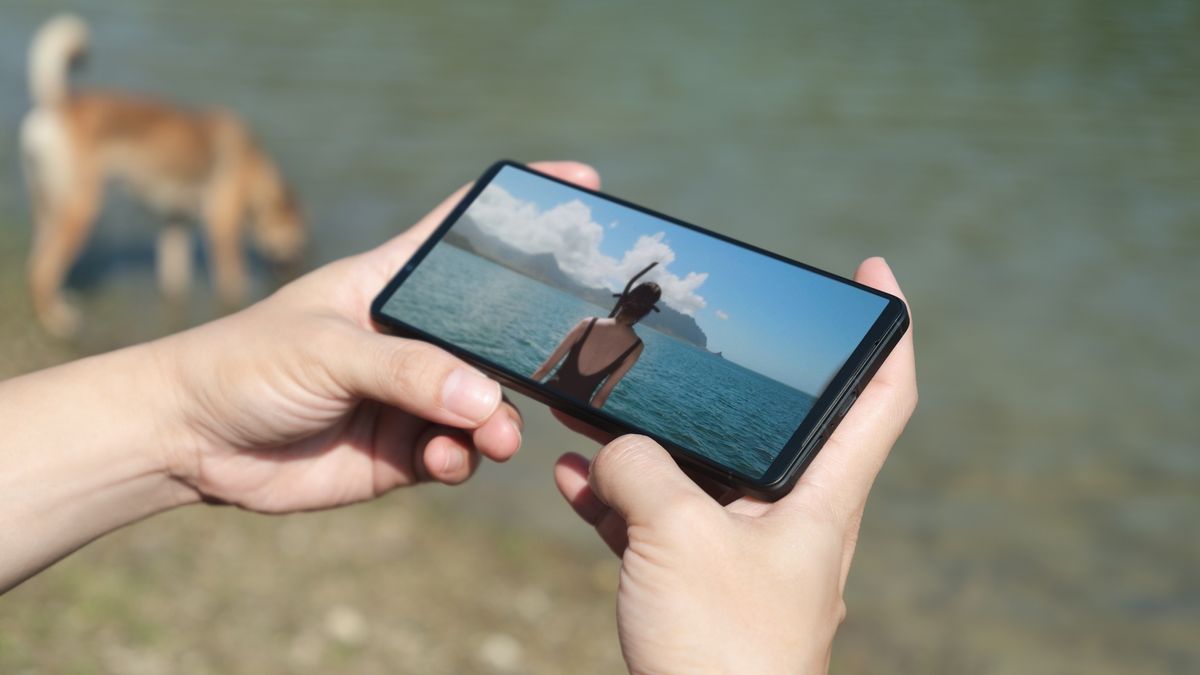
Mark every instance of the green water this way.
pixel 1030 169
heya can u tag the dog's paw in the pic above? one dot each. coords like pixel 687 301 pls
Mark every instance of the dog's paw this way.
pixel 62 320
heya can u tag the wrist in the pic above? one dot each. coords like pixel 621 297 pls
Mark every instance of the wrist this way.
pixel 171 451
pixel 84 455
pixel 174 449
pixel 128 402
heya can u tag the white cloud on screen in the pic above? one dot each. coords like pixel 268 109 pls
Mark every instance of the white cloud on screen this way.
pixel 722 315
pixel 568 232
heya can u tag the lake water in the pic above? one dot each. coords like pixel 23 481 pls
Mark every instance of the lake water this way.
pixel 1031 170
pixel 676 390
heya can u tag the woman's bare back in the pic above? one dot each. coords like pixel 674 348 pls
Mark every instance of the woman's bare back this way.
pixel 607 341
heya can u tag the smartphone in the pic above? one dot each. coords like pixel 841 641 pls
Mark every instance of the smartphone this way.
pixel 739 361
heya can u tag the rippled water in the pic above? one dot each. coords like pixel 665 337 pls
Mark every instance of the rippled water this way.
pixel 676 391
pixel 1031 169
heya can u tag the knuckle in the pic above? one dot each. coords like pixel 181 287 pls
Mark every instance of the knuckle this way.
pixel 687 510
pixel 412 365
pixel 851 525
pixel 899 396
pixel 688 522
pixel 840 611
pixel 623 452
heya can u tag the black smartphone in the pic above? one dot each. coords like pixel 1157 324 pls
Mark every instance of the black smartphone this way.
pixel 739 361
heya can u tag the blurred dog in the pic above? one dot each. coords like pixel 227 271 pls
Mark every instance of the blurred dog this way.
pixel 185 165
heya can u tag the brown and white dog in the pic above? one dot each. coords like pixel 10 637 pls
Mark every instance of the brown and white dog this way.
pixel 185 165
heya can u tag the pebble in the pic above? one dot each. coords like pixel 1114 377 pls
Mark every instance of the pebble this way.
pixel 346 625
pixel 500 652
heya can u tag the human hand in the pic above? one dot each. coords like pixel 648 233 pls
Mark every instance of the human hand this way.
pixel 751 586
pixel 298 402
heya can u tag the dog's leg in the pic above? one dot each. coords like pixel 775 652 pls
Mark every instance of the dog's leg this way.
pixel 224 213
pixel 174 261
pixel 46 166
pixel 62 234
pixel 38 199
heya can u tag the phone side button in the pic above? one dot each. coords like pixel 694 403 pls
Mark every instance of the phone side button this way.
pixel 845 406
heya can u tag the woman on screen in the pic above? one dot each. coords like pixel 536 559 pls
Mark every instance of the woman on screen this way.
pixel 599 352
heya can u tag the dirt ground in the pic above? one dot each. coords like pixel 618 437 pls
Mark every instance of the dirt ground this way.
pixel 496 577
pixel 404 584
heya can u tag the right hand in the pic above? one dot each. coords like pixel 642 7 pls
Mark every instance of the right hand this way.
pixel 300 403
pixel 751 587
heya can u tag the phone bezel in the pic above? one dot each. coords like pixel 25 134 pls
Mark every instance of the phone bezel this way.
pixel 805 442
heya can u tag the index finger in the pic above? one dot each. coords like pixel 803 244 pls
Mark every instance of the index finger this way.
pixel 845 469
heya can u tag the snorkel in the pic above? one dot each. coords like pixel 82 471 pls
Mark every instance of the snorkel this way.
pixel 623 296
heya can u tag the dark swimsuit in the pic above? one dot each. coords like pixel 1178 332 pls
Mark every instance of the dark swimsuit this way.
pixel 570 381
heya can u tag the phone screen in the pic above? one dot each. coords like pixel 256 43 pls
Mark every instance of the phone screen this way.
pixel 718 348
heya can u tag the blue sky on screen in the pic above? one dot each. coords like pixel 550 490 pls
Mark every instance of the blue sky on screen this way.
pixel 776 319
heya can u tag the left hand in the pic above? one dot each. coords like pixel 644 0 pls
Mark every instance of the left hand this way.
pixel 298 402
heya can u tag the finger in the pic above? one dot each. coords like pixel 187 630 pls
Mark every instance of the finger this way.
pixel 846 467
pixel 638 479
pixel 446 455
pixel 400 247
pixel 571 477
pixel 614 531
pixel 396 436
pixel 900 371
pixel 582 428
pixel 720 492
pixel 500 436
pixel 411 375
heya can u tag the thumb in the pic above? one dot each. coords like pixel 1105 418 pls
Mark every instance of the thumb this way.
pixel 415 377
pixel 638 479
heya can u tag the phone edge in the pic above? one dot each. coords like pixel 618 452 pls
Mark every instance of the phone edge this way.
pixel 769 488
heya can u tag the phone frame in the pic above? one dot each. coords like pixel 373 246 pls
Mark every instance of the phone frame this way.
pixel 816 427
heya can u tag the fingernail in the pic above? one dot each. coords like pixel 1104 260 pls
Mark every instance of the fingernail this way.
pixel 451 460
pixel 469 394
pixel 516 430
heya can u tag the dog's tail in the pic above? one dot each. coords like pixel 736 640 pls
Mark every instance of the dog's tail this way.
pixel 58 43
